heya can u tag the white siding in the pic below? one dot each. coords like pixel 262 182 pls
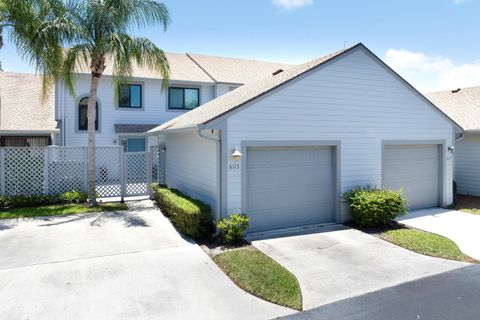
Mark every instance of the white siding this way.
pixel 467 165
pixel 191 166
pixel 154 111
pixel 354 100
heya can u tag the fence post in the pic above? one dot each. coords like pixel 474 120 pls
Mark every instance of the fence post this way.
pixel 122 174
pixel 46 160
pixel 2 171
pixel 149 173
pixel 162 165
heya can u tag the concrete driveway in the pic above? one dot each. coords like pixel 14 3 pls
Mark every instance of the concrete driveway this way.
pixel 128 265
pixel 460 227
pixel 334 263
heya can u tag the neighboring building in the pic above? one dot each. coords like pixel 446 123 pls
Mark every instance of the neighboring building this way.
pixel 25 121
pixel 307 135
pixel 143 105
pixel 463 106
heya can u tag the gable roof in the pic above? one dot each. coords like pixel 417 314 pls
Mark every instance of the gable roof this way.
pixel 20 104
pixel 249 92
pixel 463 106
pixel 240 96
pixel 236 71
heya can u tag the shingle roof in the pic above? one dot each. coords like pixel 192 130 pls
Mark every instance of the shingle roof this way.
pixel 233 70
pixel 246 93
pixel 20 104
pixel 133 128
pixel 462 106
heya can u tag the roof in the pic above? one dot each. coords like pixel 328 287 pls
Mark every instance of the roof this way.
pixel 204 68
pixel 21 108
pixel 242 95
pixel 236 71
pixel 462 106
pixel 133 128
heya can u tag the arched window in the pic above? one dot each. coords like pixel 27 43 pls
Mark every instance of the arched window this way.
pixel 82 115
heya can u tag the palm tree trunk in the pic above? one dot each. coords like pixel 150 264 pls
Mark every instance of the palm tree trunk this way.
pixel 91 116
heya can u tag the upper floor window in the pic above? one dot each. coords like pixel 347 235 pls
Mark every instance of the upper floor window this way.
pixel 130 96
pixel 82 115
pixel 183 98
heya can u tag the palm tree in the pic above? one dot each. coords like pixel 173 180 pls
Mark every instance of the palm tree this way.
pixel 99 30
pixel 93 30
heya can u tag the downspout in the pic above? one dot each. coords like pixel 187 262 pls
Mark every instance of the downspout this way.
pixel 218 143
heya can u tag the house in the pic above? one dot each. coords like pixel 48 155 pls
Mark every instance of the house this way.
pixel 285 148
pixel 143 104
pixel 25 121
pixel 463 106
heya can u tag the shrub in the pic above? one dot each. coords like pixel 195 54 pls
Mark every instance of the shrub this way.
pixel 232 229
pixel 73 196
pixel 373 206
pixel 192 217
pixel 26 201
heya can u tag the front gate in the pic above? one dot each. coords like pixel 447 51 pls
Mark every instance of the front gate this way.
pixel 137 180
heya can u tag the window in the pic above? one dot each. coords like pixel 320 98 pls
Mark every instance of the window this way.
pixel 130 96
pixel 82 115
pixel 133 144
pixel 183 98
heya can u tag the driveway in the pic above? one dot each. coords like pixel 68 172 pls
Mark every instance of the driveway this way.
pixel 335 262
pixel 127 265
pixel 460 227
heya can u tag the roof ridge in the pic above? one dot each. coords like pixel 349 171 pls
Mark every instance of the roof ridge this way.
pixel 201 67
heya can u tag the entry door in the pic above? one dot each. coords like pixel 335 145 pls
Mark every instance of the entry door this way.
pixel 289 187
pixel 415 169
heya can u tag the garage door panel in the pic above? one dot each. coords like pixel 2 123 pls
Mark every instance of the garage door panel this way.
pixel 289 187
pixel 415 169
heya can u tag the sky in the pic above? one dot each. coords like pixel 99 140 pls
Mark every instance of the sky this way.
pixel 433 44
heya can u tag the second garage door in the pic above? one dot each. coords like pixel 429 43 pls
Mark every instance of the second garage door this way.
pixel 415 168
pixel 288 187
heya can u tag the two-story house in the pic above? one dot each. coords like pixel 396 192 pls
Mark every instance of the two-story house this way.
pixel 142 104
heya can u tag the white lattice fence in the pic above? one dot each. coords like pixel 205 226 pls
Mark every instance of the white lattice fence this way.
pixel 54 170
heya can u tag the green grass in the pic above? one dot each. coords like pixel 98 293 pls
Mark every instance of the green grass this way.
pixel 60 210
pixel 260 275
pixel 474 211
pixel 425 243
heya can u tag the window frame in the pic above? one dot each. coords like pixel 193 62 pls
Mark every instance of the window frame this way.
pixel 184 88
pixel 129 107
pixel 97 118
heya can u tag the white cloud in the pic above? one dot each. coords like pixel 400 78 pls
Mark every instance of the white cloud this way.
pixel 430 73
pixel 292 4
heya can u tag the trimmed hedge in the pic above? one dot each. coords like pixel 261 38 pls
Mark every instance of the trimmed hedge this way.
pixel 20 201
pixel 373 206
pixel 192 217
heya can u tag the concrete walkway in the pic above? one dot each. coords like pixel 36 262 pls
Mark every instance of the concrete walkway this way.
pixel 461 227
pixel 126 265
pixel 334 263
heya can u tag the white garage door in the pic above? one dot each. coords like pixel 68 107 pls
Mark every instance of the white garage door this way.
pixel 414 168
pixel 288 187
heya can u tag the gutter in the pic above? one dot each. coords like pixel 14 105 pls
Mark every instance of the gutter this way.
pixel 217 141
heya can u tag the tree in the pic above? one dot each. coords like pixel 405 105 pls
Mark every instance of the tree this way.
pixel 94 31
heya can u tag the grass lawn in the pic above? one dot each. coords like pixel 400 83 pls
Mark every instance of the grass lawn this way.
pixel 260 275
pixel 60 210
pixel 469 204
pixel 425 243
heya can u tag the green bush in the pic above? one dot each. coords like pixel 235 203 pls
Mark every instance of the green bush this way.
pixel 20 201
pixel 232 229
pixel 192 217
pixel 73 196
pixel 373 206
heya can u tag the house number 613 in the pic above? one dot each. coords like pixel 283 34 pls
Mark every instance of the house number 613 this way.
pixel 234 166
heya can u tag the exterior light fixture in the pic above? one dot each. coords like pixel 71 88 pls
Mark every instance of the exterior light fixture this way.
pixel 236 155
pixel 451 149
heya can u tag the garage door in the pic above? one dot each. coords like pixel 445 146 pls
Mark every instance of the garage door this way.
pixel 416 170
pixel 289 187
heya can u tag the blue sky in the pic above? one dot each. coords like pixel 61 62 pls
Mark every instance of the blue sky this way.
pixel 432 43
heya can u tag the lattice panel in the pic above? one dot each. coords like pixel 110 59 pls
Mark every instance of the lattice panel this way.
pixel 136 173
pixel 158 163
pixel 108 169
pixel 67 169
pixel 24 171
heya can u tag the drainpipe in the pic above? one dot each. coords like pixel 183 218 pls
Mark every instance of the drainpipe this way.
pixel 462 135
pixel 218 143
